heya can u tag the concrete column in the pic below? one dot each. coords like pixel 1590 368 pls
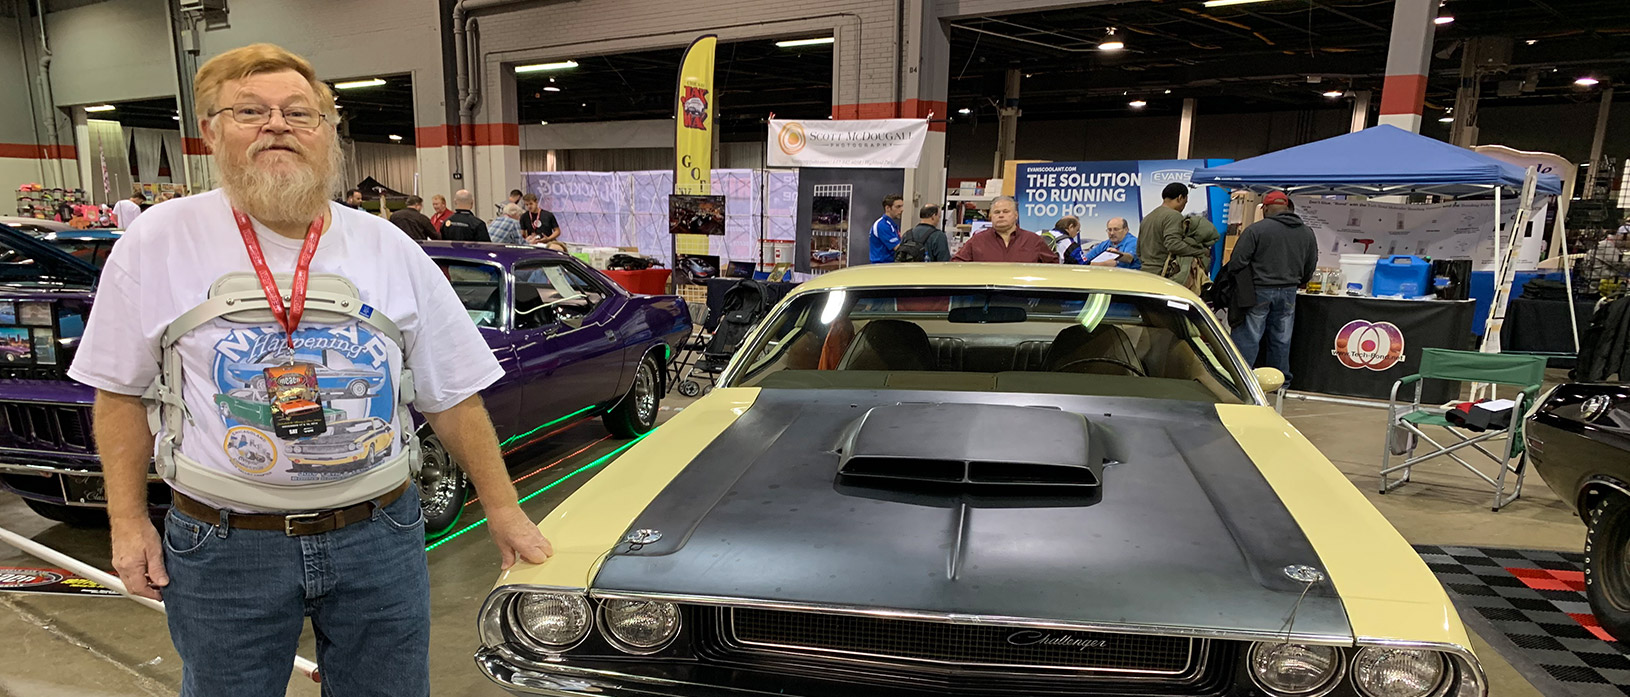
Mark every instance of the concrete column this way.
pixel 1007 132
pixel 1597 141
pixel 1185 129
pixel 1361 111
pixel 1409 60
pixel 82 140
pixel 496 137
pixel 926 62
pixel 1462 132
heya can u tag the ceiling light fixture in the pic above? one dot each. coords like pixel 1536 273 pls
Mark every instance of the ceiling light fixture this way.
pixel 1334 94
pixel 795 43
pixel 541 67
pixel 1441 20
pixel 1111 42
pixel 551 88
pixel 393 136
pixel 543 123
pixel 1137 104
pixel 964 111
pixel 1586 81
pixel 354 84
pixel 1531 42
pixel 1226 3
pixel 99 107
pixel 1446 119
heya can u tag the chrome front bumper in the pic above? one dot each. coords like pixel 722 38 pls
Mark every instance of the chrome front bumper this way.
pixel 569 681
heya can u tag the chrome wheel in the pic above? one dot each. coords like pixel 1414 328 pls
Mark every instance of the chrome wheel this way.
pixel 438 479
pixel 645 393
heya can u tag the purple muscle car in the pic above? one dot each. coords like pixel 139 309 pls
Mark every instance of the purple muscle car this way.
pixel 573 345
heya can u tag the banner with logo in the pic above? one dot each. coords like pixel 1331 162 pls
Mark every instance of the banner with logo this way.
pixel 1359 346
pixel 15 579
pixel 883 143
pixel 693 119
pixel 1453 230
pixel 1095 192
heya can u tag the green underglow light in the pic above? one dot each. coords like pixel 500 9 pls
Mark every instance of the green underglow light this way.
pixel 599 461
pixel 512 439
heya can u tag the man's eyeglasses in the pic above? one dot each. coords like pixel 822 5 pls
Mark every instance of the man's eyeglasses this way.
pixel 260 115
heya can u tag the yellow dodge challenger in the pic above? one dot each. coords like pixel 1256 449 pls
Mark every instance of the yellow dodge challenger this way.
pixel 977 479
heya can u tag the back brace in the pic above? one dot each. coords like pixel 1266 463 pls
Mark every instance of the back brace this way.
pixel 238 298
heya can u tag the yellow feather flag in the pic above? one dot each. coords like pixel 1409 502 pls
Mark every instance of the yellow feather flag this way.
pixel 693 122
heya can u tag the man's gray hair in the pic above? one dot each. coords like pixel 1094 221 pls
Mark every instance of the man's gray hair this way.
pixel 512 210
pixel 1000 199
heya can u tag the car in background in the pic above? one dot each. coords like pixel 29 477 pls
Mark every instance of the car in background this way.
pixel 35 226
pixel 977 479
pixel 573 345
pixel 1579 442
pixel 250 408
pixel 90 246
pixel 346 445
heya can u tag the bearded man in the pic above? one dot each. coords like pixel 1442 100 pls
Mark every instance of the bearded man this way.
pixel 287 515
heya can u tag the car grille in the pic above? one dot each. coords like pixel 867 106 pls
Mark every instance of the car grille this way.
pixel 48 427
pixel 960 658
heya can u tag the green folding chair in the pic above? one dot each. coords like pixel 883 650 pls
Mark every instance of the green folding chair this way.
pixel 1405 423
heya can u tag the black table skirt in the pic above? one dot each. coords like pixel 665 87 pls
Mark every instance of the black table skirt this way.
pixel 1541 326
pixel 1359 347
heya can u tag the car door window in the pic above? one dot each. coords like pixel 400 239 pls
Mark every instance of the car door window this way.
pixel 551 292
pixel 478 288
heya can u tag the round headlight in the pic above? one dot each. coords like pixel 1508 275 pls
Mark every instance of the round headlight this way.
pixel 1391 672
pixel 1294 669
pixel 641 624
pixel 554 620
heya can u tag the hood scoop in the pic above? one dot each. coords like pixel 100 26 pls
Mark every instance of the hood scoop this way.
pixel 975 449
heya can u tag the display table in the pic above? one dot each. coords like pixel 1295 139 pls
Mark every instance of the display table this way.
pixel 717 287
pixel 1541 326
pixel 1360 346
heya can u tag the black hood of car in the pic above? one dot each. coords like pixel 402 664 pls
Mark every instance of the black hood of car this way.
pixel 1109 511
pixel 26 262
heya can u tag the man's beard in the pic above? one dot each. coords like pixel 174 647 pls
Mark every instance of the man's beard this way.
pixel 289 196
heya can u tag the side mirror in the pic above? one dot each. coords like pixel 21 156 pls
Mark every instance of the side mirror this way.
pixel 1269 378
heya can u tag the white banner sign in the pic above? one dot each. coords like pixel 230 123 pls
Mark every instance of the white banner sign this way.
pixel 888 143
pixel 1454 230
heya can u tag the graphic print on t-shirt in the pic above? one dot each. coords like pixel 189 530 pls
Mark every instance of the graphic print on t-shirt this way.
pixel 353 377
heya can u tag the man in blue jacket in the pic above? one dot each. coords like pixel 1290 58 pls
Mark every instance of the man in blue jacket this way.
pixel 885 234
pixel 1121 242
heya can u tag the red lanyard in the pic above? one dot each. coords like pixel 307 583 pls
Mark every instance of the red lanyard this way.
pixel 290 319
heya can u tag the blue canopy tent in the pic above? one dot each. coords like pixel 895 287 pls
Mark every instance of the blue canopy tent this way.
pixel 1377 161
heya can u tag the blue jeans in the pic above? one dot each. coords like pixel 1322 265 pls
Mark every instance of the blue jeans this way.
pixel 1274 314
pixel 237 600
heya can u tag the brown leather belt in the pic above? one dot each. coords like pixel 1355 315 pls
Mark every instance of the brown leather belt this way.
pixel 292 524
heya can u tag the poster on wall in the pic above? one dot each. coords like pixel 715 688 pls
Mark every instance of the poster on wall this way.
pixel 695 215
pixel 1096 192
pixel 829 227
pixel 1453 230
pixel 696 269
pixel 886 143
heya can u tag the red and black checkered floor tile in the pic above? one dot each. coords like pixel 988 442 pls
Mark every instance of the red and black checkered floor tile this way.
pixel 1534 603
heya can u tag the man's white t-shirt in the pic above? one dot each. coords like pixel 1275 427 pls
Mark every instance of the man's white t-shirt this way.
pixel 164 266
pixel 124 213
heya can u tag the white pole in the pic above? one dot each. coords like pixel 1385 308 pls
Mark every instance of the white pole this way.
pixel 109 580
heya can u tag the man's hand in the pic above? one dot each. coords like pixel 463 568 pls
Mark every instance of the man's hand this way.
pixel 1109 263
pixel 138 558
pixel 516 536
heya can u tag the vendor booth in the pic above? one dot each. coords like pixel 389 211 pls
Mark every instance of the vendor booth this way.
pixel 1355 344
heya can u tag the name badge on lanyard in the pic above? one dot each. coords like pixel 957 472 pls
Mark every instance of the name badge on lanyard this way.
pixel 291 389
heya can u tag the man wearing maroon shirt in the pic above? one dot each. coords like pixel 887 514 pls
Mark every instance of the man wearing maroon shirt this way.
pixel 1004 240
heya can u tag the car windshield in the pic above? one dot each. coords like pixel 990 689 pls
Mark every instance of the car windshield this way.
pixel 91 251
pixel 997 340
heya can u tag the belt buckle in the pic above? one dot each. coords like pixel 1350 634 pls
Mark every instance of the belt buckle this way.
pixel 290 520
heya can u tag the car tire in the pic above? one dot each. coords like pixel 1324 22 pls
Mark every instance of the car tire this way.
pixel 690 388
pixel 636 413
pixel 258 383
pixel 442 488
pixel 357 388
pixel 225 409
pixel 71 516
pixel 1607 564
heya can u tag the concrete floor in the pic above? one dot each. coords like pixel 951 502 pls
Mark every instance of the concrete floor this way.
pixel 87 647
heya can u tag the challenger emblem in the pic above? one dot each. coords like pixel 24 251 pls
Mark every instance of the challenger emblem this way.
pixel 1030 637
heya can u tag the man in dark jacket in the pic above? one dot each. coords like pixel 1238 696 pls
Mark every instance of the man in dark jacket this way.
pixel 1282 254
pixel 928 234
pixel 464 226
pixel 413 221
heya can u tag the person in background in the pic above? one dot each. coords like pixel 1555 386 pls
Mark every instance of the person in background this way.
pixel 1282 254
pixel 1160 235
pixel 125 211
pixel 439 204
pixel 1120 241
pixel 538 225
pixel 926 236
pixel 885 234
pixel 463 225
pixel 1004 240
pixel 514 197
pixel 164 196
pixel 413 221
pixel 1065 240
pixel 353 199
pixel 506 229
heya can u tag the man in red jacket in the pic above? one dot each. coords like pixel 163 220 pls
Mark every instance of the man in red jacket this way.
pixel 1004 240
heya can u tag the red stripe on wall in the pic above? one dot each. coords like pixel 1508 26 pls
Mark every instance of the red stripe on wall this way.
pixel 194 146
pixel 434 136
pixel 1403 94
pixel 909 109
pixel 497 134
pixel 30 151
pixel 478 134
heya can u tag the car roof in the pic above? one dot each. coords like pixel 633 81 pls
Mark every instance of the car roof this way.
pixel 507 254
pixel 983 274
pixel 83 235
